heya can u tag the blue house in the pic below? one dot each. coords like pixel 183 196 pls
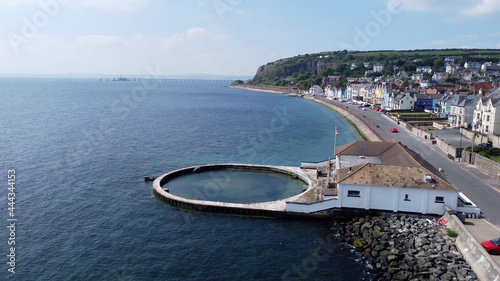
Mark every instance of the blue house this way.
pixel 426 101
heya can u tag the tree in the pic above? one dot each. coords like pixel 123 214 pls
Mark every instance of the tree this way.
pixel 451 79
pixel 438 64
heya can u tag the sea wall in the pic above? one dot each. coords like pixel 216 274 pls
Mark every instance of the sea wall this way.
pixel 364 130
pixel 405 248
pixel 481 262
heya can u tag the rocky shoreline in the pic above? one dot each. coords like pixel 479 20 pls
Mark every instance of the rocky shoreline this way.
pixel 405 248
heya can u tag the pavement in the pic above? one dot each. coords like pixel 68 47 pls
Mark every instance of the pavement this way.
pixel 482 229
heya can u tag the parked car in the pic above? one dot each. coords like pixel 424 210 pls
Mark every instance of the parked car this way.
pixel 364 108
pixel 492 246
pixel 377 109
pixel 394 130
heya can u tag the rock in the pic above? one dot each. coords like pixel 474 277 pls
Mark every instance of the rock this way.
pixel 357 243
pixel 391 257
pixel 405 248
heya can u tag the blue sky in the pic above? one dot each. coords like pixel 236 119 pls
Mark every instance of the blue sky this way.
pixel 228 37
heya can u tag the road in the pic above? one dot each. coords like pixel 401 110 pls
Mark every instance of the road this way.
pixel 486 197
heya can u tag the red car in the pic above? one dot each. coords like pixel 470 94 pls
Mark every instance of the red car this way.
pixel 492 246
pixel 394 130
pixel 377 109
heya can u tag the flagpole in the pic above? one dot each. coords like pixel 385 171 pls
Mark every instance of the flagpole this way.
pixel 335 143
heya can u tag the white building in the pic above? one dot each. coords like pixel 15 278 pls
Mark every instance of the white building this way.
pixel 404 100
pixel 462 111
pixel 486 118
pixel 378 68
pixel 386 176
pixel 417 77
pixel 316 90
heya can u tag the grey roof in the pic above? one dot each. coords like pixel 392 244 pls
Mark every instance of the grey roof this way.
pixel 495 94
pixel 428 96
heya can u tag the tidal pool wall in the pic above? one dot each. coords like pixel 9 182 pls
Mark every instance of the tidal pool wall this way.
pixel 265 209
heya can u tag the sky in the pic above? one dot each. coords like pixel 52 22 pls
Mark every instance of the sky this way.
pixel 225 37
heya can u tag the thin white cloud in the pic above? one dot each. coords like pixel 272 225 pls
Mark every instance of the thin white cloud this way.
pixel 89 41
pixel 196 32
pixel 178 41
pixel 114 5
pixel 462 7
pixel 487 7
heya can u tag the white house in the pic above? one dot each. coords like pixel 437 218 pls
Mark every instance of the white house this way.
pixel 439 76
pixel 386 176
pixel 423 68
pixel 405 101
pixel 451 69
pixel 417 77
pixel 378 67
pixel 486 116
pixel 462 111
pixel 472 65
pixel 316 90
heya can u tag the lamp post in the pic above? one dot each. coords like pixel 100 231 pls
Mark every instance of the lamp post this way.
pixel 460 148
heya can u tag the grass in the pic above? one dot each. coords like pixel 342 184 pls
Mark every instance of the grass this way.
pixel 451 233
pixel 491 153
pixel 450 52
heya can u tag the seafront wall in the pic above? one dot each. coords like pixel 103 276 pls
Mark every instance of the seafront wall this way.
pixel 363 129
pixel 475 255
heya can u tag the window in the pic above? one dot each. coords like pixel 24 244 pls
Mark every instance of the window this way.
pixel 478 116
pixel 406 198
pixel 487 118
pixel 353 193
pixel 487 128
pixel 439 199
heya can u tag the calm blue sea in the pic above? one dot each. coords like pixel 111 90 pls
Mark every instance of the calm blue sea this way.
pixel 81 148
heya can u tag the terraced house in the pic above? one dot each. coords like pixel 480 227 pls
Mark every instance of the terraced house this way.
pixel 487 116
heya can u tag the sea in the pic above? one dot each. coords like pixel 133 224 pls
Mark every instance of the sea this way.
pixel 78 207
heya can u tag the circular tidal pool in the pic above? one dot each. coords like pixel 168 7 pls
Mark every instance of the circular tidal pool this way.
pixel 235 186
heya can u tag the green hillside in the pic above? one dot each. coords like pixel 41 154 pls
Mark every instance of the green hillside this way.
pixel 305 70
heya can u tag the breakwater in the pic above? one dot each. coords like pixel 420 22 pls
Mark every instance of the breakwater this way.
pixel 405 248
